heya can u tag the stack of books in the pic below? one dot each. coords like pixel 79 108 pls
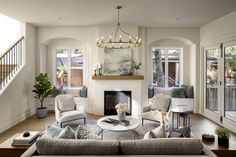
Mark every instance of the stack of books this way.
pixel 116 122
pixel 21 140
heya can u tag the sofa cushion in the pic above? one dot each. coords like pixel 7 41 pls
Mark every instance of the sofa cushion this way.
pixel 165 91
pixel 84 133
pixel 67 133
pixel 161 102
pixel 158 132
pixel 66 102
pixel 162 146
pixel 52 131
pixel 76 147
pixel 178 92
pixel 188 91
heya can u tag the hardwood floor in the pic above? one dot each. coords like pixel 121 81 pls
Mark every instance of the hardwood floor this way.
pixel 199 125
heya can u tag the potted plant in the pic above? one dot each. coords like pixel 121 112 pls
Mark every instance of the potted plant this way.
pixel 136 66
pixel 223 136
pixel 42 89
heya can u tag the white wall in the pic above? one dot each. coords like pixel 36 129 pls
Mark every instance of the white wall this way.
pixel 10 31
pixel 185 36
pixel 17 101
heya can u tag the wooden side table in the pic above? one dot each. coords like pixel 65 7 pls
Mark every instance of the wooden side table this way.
pixel 7 150
pixel 221 151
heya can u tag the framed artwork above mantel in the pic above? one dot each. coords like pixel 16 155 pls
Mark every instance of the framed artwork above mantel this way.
pixel 118 62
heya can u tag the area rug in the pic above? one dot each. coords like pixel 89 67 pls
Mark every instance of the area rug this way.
pixel 125 135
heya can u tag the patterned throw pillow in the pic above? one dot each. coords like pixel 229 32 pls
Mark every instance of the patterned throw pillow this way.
pixel 158 132
pixel 161 102
pixel 52 131
pixel 67 133
pixel 84 133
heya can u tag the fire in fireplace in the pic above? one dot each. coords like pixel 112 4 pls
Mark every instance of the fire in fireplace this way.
pixel 112 98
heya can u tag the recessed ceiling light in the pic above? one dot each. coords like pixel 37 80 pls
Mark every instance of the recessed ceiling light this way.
pixel 178 18
pixel 60 18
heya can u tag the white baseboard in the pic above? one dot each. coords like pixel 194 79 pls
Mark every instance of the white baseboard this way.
pixel 7 125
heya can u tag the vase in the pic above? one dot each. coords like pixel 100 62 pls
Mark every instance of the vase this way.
pixel 223 142
pixel 121 116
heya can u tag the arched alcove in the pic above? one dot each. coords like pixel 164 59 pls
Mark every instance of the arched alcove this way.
pixel 47 57
pixel 187 55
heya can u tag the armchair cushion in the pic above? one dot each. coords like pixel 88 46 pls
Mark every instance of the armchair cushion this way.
pixel 66 102
pixel 161 102
pixel 71 115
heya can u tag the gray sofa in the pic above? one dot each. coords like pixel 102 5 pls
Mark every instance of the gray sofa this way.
pixel 169 147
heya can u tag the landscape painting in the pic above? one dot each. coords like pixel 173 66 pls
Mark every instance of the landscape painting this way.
pixel 118 62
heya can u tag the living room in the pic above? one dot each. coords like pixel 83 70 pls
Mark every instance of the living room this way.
pixel 56 30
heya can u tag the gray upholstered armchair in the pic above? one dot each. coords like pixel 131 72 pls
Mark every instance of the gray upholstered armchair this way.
pixel 158 109
pixel 66 109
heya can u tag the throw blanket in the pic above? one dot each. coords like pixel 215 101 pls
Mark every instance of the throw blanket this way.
pixel 162 117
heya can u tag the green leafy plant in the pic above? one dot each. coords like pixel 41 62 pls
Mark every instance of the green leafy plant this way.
pixel 136 66
pixel 42 87
pixel 222 132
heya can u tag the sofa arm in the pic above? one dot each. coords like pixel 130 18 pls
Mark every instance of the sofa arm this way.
pixel 30 152
pixel 208 152
pixel 147 108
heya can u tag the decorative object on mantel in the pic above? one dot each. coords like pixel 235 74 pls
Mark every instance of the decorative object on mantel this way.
pixel 119 43
pixel 121 109
pixel 99 69
pixel 136 67
pixel 223 136
pixel 118 62
pixel 95 70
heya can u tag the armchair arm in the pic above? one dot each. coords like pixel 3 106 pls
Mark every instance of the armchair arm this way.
pixel 80 108
pixel 57 111
pixel 147 108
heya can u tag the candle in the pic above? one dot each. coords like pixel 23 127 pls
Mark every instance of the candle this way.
pixel 99 66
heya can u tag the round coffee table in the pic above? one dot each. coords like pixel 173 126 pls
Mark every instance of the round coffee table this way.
pixel 120 127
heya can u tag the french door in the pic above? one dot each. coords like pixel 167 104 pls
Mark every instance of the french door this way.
pixel 220 84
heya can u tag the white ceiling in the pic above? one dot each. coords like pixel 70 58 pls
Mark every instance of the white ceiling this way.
pixel 102 12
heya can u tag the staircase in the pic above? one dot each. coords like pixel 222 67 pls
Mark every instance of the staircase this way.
pixel 10 63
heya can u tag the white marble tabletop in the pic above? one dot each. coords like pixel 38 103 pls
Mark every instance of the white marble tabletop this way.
pixel 133 123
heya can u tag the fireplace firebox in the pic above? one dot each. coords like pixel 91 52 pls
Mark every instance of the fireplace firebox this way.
pixel 112 98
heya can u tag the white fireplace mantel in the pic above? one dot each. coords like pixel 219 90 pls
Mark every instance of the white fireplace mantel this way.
pixel 97 104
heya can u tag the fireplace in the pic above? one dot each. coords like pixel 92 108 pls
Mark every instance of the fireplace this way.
pixel 112 98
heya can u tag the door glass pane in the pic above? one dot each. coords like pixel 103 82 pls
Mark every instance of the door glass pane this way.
pixel 230 82
pixel 173 67
pixel 76 67
pixel 158 68
pixel 62 67
pixel 212 80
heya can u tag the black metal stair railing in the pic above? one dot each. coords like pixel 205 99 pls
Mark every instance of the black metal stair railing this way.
pixel 10 62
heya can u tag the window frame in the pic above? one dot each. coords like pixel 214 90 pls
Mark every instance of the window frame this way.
pixel 167 66
pixel 68 87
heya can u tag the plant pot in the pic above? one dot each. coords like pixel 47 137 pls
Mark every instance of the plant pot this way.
pixel 223 142
pixel 121 116
pixel 41 112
